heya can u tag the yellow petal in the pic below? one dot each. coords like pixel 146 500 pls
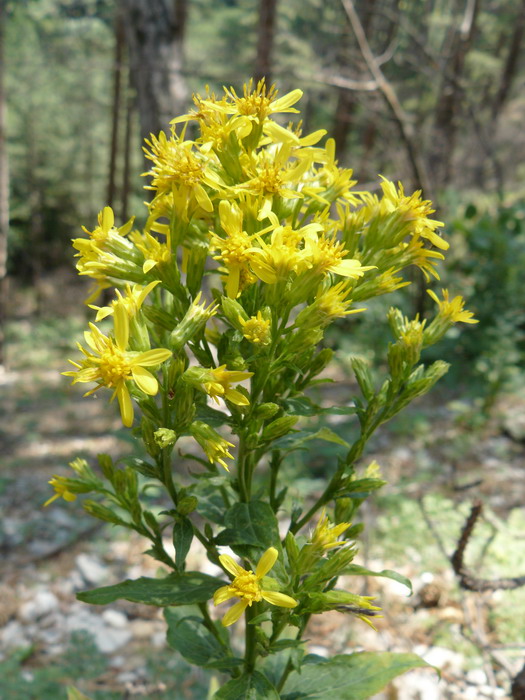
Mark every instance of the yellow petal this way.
pixel 222 594
pixel 120 317
pixel 234 613
pixel 202 198
pixel 284 601
pixel 236 397
pixel 145 380
pixel 231 565
pixel 286 101
pixel 108 219
pixel 126 404
pixel 148 265
pixel 152 357
pixel 266 562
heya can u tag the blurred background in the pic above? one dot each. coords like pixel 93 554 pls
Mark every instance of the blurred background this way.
pixel 430 93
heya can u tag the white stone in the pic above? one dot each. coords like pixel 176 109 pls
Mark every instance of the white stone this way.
pixel 318 650
pixel 108 639
pixel 13 635
pixel 115 618
pixel 416 685
pixel 91 568
pixel 476 676
pixel 441 658
pixel 42 603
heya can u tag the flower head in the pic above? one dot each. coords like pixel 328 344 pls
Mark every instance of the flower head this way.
pixel 215 446
pixel 325 535
pixel 61 486
pixel 256 329
pixel 246 586
pixel 108 362
pixel 452 310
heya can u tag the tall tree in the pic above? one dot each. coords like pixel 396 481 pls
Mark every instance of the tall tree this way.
pixel 4 188
pixel 155 34
pixel 265 40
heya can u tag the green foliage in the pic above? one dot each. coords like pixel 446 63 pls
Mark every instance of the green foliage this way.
pixel 175 589
pixel 347 677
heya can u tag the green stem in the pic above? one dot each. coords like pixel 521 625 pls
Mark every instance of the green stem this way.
pixel 250 650
pixel 289 666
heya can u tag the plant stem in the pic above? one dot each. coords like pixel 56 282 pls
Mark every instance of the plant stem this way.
pixel 250 650
pixel 289 666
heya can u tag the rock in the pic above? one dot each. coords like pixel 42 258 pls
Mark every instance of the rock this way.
pixel 115 618
pixel 14 636
pixel 43 603
pixel 441 658
pixel 108 639
pixel 476 676
pixel 418 685
pixel 91 568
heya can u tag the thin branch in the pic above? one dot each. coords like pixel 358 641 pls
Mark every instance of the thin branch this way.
pixel 466 579
pixel 389 94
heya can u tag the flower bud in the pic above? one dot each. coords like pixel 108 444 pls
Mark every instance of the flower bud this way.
pixel 279 427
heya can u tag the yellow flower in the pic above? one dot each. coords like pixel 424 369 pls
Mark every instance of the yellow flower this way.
pixel 132 300
pixel 413 209
pixel 60 484
pixel 325 535
pixel 256 103
pixel 176 165
pixel 154 252
pixel 256 329
pixel 215 446
pixel 236 249
pixel 217 384
pixel 326 254
pixel 452 310
pixel 246 586
pixel 109 363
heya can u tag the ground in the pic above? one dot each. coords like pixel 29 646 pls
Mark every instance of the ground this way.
pixel 438 457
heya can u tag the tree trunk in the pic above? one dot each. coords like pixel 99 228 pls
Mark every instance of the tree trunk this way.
pixel 4 190
pixel 155 36
pixel 450 97
pixel 346 100
pixel 511 64
pixel 265 40
pixel 115 110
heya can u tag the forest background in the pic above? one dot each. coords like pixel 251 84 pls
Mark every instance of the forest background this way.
pixel 428 92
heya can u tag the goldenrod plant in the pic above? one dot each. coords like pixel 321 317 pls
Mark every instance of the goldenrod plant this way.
pixel 255 242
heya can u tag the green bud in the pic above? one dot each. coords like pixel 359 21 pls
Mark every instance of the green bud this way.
pixel 184 404
pixel 106 464
pixel 266 410
pixel 320 361
pixel 192 324
pixel 364 377
pixel 148 436
pixel 233 311
pixel 279 427
pixel 97 510
pixel 165 437
pixel 187 505
pixel 195 265
pixel 292 550
pixel 344 510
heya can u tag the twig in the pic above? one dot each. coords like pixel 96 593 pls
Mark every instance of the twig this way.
pixel 388 92
pixel 466 579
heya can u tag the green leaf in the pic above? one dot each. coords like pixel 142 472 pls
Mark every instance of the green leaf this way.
pixel 298 439
pixel 356 570
pixel 211 416
pixel 182 537
pixel 248 687
pixel 348 676
pixel 74 694
pixel 304 406
pixel 252 523
pixel 184 589
pixel 188 634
